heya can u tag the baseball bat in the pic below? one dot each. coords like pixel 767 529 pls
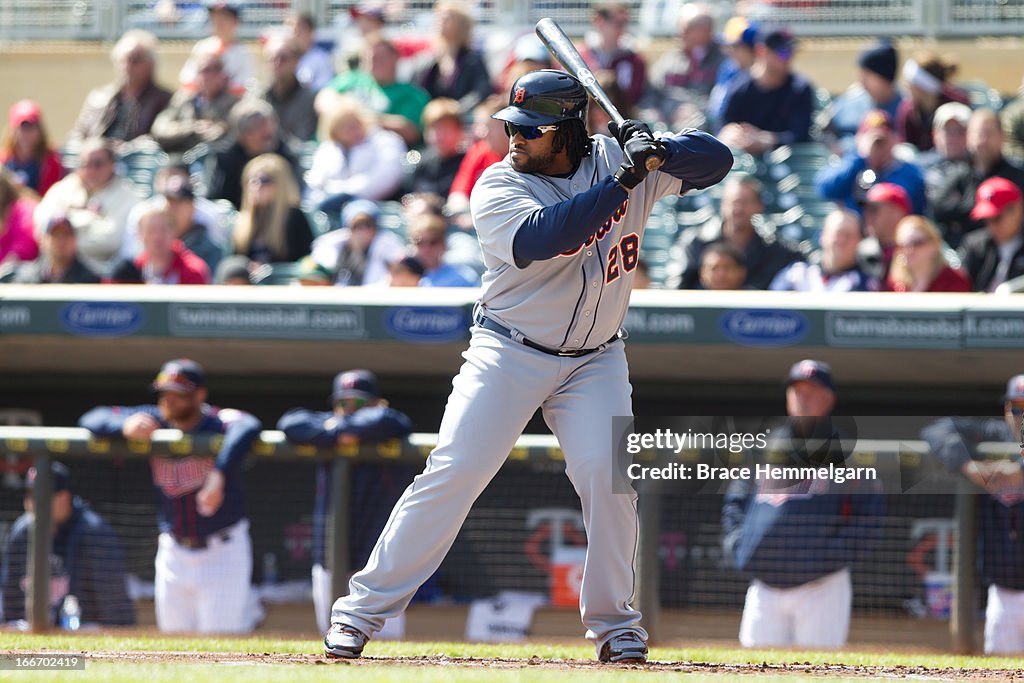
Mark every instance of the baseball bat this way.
pixel 559 45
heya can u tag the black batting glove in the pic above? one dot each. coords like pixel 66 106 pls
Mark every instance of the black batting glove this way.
pixel 628 129
pixel 636 152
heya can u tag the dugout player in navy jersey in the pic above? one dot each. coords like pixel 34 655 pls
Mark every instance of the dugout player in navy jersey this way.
pixel 954 441
pixel 359 415
pixel 86 559
pixel 204 556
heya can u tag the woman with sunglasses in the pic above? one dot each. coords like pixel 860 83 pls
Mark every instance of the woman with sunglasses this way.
pixel 271 228
pixel 919 265
pixel 26 150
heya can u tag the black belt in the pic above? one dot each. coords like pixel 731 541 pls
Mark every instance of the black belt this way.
pixel 483 321
pixel 201 542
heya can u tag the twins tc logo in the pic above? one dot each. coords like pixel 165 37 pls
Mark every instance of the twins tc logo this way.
pixel 519 96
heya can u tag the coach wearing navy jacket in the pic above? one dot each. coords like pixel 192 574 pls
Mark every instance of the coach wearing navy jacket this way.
pixel 797 540
pixel 204 556
pixel 359 415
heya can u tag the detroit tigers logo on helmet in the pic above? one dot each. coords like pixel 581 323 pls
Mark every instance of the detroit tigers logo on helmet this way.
pixel 519 96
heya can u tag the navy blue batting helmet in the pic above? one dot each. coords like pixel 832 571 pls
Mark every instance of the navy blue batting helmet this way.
pixel 544 97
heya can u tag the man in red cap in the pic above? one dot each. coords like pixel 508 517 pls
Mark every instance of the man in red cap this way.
pixel 885 205
pixel 871 161
pixel 996 254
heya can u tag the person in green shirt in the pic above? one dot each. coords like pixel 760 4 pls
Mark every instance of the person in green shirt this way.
pixel 399 104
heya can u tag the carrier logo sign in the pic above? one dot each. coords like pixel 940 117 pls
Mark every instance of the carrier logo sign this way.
pixel 764 327
pixel 427 325
pixel 100 319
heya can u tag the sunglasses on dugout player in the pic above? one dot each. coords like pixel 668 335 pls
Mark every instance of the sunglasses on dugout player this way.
pixel 528 132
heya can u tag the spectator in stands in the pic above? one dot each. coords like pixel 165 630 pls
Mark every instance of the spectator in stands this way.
pixel 445 137
pixel 164 259
pixel 875 89
pixel 125 110
pixel 123 272
pixel 598 119
pixel 58 262
pixel 919 265
pixel 885 205
pixel 995 254
pixel 399 105
pixel 86 559
pixel 1012 117
pixel 97 201
pixel 17 238
pixel 688 72
pixel 406 273
pixel 834 267
pixel 957 187
pixel 528 54
pixel 358 415
pixel 204 555
pixel 359 253
pixel 188 226
pixel 722 267
pixel 271 228
pixel 948 159
pixel 871 161
pixel 358 160
pixel 739 41
pixel 25 150
pixel 771 105
pixel 256 133
pixel 239 65
pixel 429 238
pixel 197 212
pixel 605 48
pixel 234 270
pixel 455 70
pixel 798 539
pixel 490 147
pixel 927 77
pixel 367 21
pixel 316 65
pixel 1000 515
pixel 291 100
pixel 764 255
pixel 199 113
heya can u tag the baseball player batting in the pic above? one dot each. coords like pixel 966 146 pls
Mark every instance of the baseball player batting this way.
pixel 560 221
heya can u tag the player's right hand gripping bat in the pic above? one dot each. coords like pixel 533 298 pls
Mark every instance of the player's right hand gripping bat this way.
pixel 559 45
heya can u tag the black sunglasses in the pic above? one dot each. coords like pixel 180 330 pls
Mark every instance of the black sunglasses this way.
pixel 528 132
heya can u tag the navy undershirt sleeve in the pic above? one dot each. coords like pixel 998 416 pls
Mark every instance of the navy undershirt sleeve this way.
pixel 697 158
pixel 552 230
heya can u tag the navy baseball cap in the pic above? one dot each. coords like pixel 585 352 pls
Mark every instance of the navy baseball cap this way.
pixel 61 477
pixel 1015 388
pixel 780 41
pixel 811 371
pixel 181 375
pixel 355 384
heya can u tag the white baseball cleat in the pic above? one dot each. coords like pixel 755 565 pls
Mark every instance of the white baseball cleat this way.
pixel 345 641
pixel 626 647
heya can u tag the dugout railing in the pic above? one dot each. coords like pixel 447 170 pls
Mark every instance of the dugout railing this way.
pixel 43 444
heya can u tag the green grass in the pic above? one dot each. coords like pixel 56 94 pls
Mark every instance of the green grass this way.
pixel 439 672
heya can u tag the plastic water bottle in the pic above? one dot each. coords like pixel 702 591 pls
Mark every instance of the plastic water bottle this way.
pixel 269 569
pixel 70 614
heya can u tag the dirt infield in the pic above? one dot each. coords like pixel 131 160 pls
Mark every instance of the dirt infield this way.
pixel 537 663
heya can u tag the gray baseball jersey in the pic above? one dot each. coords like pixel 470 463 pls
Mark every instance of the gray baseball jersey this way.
pixel 577 300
